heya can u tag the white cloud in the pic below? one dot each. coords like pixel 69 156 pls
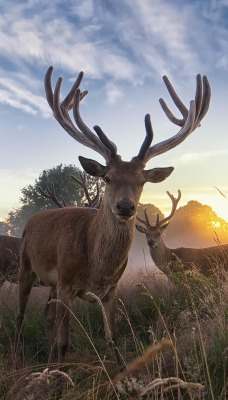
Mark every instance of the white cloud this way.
pixel 199 156
pixel 84 9
pixel 113 93
pixel 131 41
pixel 21 98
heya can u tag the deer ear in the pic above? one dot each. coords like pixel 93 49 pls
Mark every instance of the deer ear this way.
pixel 140 228
pixel 92 167
pixel 156 175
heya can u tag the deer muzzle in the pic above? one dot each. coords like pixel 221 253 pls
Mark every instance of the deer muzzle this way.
pixel 125 209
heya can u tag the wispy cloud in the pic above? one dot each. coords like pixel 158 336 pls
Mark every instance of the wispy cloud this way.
pixel 113 93
pixel 127 40
pixel 199 156
pixel 15 95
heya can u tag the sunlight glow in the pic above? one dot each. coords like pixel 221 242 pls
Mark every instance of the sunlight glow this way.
pixel 215 224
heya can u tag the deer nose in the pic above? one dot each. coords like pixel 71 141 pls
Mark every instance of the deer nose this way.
pixel 125 207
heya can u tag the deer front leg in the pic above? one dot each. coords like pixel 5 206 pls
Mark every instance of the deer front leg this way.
pixel 64 296
pixel 50 316
pixel 109 303
pixel 26 281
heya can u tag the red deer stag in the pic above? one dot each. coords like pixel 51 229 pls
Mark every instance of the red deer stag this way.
pixel 76 250
pixel 206 260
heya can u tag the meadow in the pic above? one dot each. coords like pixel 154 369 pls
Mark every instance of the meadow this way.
pixel 172 338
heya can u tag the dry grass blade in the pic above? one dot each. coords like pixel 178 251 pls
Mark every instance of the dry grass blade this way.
pixel 40 385
pixel 220 192
pixel 138 363
pixel 173 382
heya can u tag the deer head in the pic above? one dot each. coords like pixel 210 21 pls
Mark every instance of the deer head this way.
pixel 153 232
pixel 125 180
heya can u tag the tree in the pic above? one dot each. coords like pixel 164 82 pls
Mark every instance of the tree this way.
pixel 32 201
pixel 196 225
pixel 4 228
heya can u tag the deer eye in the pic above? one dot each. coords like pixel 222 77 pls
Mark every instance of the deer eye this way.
pixel 106 179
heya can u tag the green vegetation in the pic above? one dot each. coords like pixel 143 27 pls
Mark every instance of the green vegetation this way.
pixel 191 311
pixel 32 201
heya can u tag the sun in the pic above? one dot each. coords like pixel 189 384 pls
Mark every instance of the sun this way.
pixel 216 224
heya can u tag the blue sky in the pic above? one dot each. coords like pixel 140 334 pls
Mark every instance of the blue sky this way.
pixel 124 47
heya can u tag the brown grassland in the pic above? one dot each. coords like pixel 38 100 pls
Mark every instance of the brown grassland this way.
pixel 173 339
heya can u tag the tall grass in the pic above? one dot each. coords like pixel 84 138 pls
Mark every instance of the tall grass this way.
pixel 190 311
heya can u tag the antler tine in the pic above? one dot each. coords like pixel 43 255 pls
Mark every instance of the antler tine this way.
pixel 146 217
pixel 145 221
pixel 141 220
pixel 81 132
pixel 191 118
pixel 174 207
pixel 206 99
pixel 96 199
pixel 157 220
pixel 63 201
pixel 82 183
pixel 50 194
pixel 177 101
pixel 64 119
pixel 198 96
pixel 48 87
pixel 110 145
pixel 148 139
pixel 67 103
pixel 104 143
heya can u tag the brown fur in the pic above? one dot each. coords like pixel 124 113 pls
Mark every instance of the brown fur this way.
pixel 9 258
pixel 208 261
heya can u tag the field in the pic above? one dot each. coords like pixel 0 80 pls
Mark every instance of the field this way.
pixel 173 339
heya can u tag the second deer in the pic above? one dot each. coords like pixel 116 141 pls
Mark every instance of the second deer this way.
pixel 207 260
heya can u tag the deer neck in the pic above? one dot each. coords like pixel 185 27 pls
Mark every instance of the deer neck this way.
pixel 112 238
pixel 160 254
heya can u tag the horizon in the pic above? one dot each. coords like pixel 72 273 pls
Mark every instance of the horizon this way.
pixel 124 49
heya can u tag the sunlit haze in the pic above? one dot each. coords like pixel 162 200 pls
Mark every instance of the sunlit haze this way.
pixel 124 47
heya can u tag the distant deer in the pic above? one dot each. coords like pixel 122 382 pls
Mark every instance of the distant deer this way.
pixel 77 251
pixel 206 260
pixel 9 258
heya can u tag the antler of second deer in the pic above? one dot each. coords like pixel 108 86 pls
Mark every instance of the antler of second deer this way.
pixel 83 183
pixel 50 194
pixel 160 223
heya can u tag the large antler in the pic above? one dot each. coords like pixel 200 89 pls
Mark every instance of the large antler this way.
pixel 81 132
pixel 101 144
pixel 190 121
pixel 159 223
pixel 83 183
pixel 50 194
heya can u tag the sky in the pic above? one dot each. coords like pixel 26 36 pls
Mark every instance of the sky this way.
pixel 124 48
